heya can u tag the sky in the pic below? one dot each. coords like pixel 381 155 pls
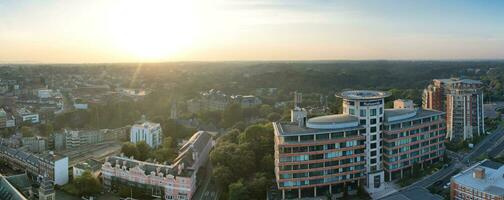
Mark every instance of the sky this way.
pixel 96 31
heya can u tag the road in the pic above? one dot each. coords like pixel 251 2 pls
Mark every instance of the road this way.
pixel 488 144
pixel 208 190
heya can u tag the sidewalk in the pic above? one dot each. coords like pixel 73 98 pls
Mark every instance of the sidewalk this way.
pixel 388 188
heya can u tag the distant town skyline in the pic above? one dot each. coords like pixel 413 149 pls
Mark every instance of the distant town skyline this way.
pixel 201 30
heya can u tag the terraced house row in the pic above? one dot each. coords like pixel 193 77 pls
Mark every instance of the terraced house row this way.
pixel 366 145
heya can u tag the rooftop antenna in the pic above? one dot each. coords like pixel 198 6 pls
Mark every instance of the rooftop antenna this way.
pixel 298 98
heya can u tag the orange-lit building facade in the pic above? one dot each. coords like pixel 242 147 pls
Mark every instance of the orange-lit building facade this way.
pixel 365 146
pixel 411 137
pixel 462 100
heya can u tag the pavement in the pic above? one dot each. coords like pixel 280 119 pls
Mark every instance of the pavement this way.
pixel 208 190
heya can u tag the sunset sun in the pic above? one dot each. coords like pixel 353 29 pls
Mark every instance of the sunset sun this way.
pixel 154 29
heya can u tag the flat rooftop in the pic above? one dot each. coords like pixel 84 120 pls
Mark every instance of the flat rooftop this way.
pixel 363 94
pixel 394 115
pixel 458 80
pixel 492 182
pixel 330 119
pixel 292 129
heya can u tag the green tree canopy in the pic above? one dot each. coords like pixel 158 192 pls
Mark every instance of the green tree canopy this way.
pixel 143 150
pixel 238 191
pixel 87 184
pixel 129 149
pixel 26 131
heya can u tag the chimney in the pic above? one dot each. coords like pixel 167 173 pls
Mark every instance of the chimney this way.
pixel 479 173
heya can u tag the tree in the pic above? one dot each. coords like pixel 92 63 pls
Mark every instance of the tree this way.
pixel 166 152
pixel 260 138
pixel 143 150
pixel 230 136
pixel 265 110
pixel 26 131
pixel 86 184
pixel 223 175
pixel 231 115
pixel 267 165
pixel 273 117
pixel 129 149
pixel 238 191
pixel 46 129
pixel 258 186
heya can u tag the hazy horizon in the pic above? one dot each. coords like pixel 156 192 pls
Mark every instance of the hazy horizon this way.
pixel 130 31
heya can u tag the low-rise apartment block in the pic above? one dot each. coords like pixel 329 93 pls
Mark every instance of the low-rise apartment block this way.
pixel 47 164
pixel 483 180
pixel 166 181
pixel 34 144
pixel 91 165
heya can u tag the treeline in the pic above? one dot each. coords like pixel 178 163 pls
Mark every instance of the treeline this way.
pixel 243 162
pixel 142 151
pixel 235 115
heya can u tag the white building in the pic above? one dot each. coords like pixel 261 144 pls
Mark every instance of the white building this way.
pixel 146 131
pixel 53 166
pixel 81 106
pixel 44 93
pixel 26 115
pixel 368 107
pixel 483 180
pixel 76 138
pixel 91 165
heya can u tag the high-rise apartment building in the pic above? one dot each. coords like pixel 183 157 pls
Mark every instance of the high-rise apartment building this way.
pixel 337 153
pixel 462 100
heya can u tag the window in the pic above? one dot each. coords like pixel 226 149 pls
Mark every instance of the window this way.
pixel 373 112
pixel 324 136
pixel 373 137
pixel 317 148
pixel 337 135
pixel 373 129
pixel 305 138
pixel 291 139
pixel 363 113
pixel 373 145
pixel 373 153
pixel 351 111
pixel 381 110
pixel 351 133
pixel 373 121
pixel 362 122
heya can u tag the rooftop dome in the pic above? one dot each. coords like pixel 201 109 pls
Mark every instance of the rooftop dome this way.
pixel 363 94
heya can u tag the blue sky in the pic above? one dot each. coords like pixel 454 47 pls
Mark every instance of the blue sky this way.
pixel 99 30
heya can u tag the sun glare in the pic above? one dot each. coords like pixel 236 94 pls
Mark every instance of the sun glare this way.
pixel 152 29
